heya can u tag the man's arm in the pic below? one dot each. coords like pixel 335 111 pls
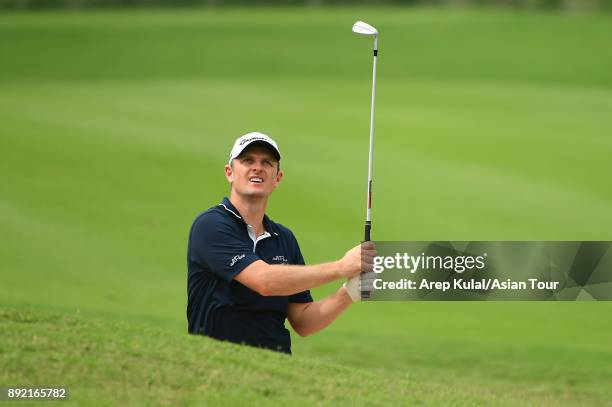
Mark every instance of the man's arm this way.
pixel 286 279
pixel 309 318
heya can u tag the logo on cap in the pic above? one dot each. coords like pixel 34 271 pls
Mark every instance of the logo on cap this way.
pixel 248 140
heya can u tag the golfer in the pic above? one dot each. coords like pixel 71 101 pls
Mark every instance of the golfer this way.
pixel 246 273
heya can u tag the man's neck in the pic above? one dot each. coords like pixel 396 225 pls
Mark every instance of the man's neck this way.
pixel 252 210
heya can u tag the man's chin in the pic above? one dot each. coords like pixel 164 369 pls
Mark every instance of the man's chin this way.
pixel 256 193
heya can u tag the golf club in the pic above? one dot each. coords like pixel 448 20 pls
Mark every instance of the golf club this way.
pixel 363 28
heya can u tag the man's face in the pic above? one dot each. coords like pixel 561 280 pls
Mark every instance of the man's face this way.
pixel 254 173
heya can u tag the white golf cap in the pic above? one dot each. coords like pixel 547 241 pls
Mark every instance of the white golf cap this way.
pixel 255 137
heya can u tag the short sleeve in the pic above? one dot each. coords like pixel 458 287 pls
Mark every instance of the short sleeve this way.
pixel 304 296
pixel 216 245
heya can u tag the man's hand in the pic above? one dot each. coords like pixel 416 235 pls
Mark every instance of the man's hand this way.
pixel 362 282
pixel 288 279
pixel 359 259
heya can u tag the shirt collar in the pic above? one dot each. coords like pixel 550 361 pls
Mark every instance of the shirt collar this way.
pixel 269 226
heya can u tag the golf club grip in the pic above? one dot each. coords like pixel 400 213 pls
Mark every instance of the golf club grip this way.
pixel 365 295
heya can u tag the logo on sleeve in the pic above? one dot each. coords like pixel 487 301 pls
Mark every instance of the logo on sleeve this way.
pixel 281 259
pixel 236 258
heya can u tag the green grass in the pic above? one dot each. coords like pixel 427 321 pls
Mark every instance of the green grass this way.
pixel 141 365
pixel 114 128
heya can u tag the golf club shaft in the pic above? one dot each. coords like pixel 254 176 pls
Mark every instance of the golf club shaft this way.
pixel 368 222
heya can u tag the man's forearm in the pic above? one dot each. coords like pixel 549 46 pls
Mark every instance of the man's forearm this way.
pixel 281 279
pixel 317 315
pixel 287 279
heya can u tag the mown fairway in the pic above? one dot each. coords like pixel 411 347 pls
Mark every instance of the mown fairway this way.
pixel 114 128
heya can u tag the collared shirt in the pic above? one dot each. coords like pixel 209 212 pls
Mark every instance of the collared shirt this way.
pixel 221 245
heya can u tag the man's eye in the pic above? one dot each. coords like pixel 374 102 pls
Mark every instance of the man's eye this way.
pixel 268 163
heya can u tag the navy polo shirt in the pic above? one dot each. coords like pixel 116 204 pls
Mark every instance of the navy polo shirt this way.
pixel 221 245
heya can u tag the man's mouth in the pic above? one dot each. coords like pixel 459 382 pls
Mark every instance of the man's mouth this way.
pixel 256 180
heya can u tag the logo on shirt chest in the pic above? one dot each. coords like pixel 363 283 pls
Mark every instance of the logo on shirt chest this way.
pixel 280 259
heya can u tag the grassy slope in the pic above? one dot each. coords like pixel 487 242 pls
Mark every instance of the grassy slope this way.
pixel 490 126
pixel 141 365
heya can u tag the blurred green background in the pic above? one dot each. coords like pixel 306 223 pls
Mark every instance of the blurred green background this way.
pixel 491 124
pixel 592 5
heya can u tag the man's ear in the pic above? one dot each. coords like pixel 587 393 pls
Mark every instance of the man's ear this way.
pixel 229 173
pixel 279 176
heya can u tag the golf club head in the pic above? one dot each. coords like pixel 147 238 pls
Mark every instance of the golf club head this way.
pixel 363 28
